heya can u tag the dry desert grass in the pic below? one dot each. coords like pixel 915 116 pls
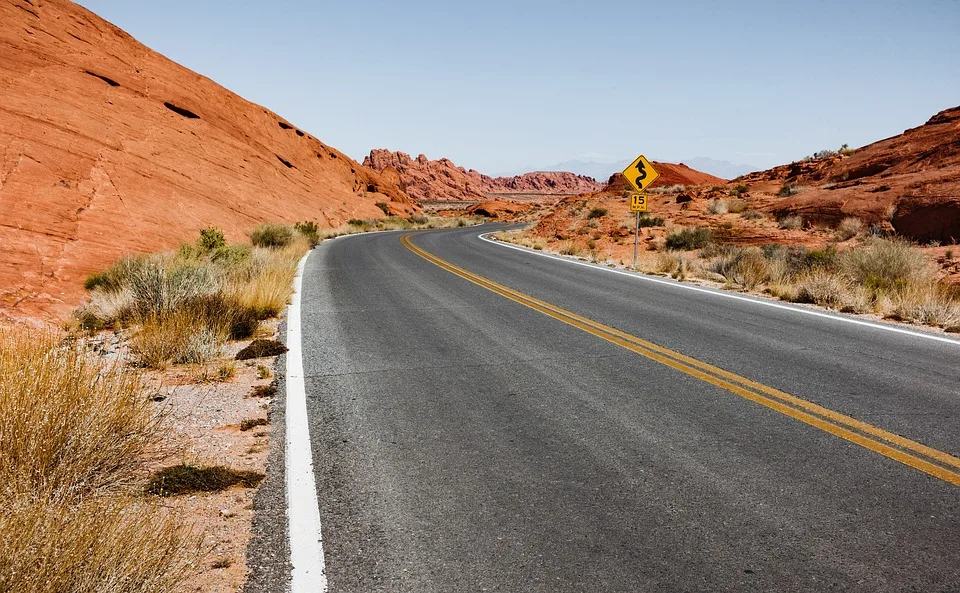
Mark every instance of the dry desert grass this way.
pixel 75 431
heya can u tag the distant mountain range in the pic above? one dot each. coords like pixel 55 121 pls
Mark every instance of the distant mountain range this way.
pixel 602 171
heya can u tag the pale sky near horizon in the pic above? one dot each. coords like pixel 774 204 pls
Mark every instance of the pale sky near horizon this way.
pixel 505 85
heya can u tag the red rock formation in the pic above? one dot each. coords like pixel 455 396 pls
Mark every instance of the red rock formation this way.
pixel 442 180
pixel 912 178
pixel 670 174
pixel 107 147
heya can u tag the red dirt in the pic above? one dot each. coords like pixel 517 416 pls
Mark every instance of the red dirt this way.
pixel 109 148
pixel 442 180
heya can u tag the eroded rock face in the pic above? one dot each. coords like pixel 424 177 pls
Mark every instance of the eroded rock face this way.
pixel 911 180
pixel 107 148
pixel 442 180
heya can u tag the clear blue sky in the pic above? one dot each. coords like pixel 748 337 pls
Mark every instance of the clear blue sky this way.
pixel 500 85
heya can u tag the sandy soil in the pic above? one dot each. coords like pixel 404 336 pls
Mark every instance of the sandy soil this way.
pixel 203 409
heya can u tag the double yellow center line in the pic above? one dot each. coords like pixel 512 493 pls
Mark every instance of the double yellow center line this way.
pixel 916 455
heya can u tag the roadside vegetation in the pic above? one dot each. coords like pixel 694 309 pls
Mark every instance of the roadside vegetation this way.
pixel 79 510
pixel 869 274
pixel 75 431
pixel 183 306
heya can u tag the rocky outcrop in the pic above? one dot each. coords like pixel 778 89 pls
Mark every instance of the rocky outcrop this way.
pixel 911 180
pixel 107 148
pixel 442 180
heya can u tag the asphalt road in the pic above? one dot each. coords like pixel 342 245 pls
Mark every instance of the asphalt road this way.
pixel 465 441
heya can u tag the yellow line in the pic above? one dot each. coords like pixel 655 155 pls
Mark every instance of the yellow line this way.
pixel 896 447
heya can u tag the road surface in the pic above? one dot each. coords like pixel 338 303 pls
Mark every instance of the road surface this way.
pixel 488 419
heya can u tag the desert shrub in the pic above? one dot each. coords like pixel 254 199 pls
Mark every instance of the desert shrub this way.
pixel 186 336
pixel 829 289
pixel 359 222
pixel 736 206
pixel 824 154
pixel 211 238
pixel 824 259
pixel 738 190
pixel 929 304
pixel 791 222
pixel 596 212
pixel 112 545
pixel 886 264
pixel 231 256
pixel 848 228
pixel 650 221
pixel 419 219
pixel 271 235
pixel 753 215
pixel 788 189
pixel 184 479
pixel 718 206
pixel 309 230
pixel 571 248
pixel 383 206
pixel 70 423
pixel 746 267
pixel 157 289
pixel 115 278
pixel 263 372
pixel 688 238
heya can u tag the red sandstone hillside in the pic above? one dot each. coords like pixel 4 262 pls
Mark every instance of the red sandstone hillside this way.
pixel 670 174
pixel 912 179
pixel 442 180
pixel 110 148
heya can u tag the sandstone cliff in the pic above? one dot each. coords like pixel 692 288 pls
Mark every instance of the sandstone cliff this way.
pixel 107 147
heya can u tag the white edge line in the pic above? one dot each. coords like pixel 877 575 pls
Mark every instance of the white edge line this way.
pixel 308 573
pixel 727 295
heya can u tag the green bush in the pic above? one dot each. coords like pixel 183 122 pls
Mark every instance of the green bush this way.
pixel 309 230
pixel 211 238
pixel 597 212
pixel 271 235
pixel 383 206
pixel 689 239
pixel 650 221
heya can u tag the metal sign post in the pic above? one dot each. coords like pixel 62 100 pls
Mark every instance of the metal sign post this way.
pixel 638 204
pixel 636 241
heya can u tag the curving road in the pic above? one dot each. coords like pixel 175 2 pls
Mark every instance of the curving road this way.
pixel 488 419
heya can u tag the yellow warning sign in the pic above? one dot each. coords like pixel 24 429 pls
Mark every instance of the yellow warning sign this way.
pixel 640 174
